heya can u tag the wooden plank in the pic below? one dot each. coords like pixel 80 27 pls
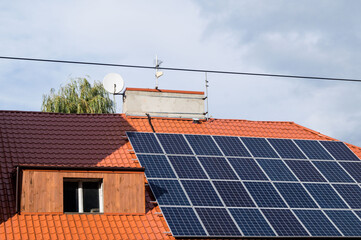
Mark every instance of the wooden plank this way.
pixel 42 191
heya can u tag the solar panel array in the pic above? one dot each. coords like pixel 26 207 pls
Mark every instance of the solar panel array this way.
pixel 219 186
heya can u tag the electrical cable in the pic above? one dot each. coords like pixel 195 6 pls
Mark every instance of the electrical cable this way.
pixel 183 69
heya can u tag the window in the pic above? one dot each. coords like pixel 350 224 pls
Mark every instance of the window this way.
pixel 83 195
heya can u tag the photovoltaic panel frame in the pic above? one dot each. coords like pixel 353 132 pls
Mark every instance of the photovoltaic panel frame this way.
pixel 220 186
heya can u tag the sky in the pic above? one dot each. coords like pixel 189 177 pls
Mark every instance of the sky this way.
pixel 312 38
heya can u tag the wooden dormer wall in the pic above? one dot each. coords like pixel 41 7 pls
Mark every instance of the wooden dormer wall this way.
pixel 42 190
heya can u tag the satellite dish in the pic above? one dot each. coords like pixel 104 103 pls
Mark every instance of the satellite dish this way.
pixel 113 83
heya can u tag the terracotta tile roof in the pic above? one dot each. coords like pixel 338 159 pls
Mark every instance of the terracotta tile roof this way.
pixel 36 138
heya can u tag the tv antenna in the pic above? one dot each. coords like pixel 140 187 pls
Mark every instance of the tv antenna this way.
pixel 114 84
pixel 158 74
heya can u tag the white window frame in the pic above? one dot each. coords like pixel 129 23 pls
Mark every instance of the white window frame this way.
pixel 80 192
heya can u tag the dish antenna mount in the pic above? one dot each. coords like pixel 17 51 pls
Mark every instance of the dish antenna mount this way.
pixel 113 83
pixel 158 74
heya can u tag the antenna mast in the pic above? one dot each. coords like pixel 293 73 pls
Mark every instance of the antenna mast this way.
pixel 158 74
pixel 206 81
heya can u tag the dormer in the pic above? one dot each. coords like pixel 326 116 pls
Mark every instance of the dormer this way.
pixel 85 190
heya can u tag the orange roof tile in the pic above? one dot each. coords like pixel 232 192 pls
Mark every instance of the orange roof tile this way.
pixel 36 138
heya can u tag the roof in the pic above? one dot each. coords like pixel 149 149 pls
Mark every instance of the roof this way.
pixel 89 140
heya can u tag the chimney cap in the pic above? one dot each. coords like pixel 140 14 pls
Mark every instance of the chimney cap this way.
pixel 164 90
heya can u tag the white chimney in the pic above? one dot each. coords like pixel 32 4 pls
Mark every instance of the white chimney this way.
pixel 164 103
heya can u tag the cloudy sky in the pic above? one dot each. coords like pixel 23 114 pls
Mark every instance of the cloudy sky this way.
pixel 316 38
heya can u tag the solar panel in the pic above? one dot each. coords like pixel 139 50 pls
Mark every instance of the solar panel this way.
pixel 286 148
pixel 251 222
pixel 325 196
pixel 354 169
pixel 183 221
pixel 144 142
pixel 218 186
pixel 313 149
pixel 218 222
pixel 295 195
pixel 276 170
pixel 332 171
pixel 231 146
pixel 203 145
pixel 168 192
pixel 259 147
pixel 247 169
pixel 305 171
pixel 265 194
pixel 351 193
pixel 201 193
pixel 317 223
pixel 218 168
pixel 168 140
pixel 233 194
pixel 346 221
pixel 339 150
pixel 187 167
pixel 284 222
pixel 156 166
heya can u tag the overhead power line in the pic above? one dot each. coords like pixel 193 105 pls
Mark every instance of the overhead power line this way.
pixel 183 69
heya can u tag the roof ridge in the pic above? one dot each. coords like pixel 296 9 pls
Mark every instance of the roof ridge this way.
pixel 209 120
pixel 315 132
pixel 144 117
pixel 53 113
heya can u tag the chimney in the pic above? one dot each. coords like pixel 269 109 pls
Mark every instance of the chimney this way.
pixel 164 103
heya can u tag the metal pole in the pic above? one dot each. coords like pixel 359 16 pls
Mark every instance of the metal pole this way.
pixel 156 70
pixel 206 81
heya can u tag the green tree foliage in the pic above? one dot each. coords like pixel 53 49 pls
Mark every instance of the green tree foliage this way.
pixel 78 96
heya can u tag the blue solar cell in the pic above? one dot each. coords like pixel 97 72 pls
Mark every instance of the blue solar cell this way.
pixel 284 222
pixel 174 143
pixel 286 148
pixel 325 196
pixel 156 166
pixel 251 222
pixel 316 223
pixel 187 167
pixel 259 147
pixel 218 222
pixel 305 171
pixel 217 168
pixel 276 170
pixel 351 193
pixel 247 169
pixel 265 194
pixel 168 192
pixel 203 145
pixel 332 171
pixel 233 194
pixel 358 213
pixel 354 169
pixel 313 149
pixel 295 195
pixel 144 142
pixel 339 150
pixel 183 221
pixel 346 221
pixel 201 193
pixel 231 146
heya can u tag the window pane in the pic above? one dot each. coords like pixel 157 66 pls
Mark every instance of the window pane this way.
pixel 71 197
pixel 91 196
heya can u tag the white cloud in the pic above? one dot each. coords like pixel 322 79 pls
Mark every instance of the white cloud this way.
pixel 303 37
